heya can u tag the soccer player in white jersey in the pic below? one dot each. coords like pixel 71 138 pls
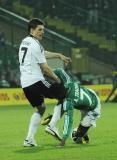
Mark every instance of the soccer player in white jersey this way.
pixel 33 67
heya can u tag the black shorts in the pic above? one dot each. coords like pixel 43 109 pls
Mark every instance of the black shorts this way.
pixel 37 92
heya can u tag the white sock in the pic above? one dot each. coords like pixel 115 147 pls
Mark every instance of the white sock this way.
pixel 56 116
pixel 33 126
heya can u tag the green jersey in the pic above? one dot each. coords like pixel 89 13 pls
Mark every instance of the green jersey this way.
pixel 77 97
pixel 82 97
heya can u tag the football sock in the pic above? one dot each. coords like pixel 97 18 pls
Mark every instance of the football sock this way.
pixel 56 116
pixel 81 131
pixel 33 126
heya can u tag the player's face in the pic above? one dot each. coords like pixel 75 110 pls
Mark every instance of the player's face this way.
pixel 38 32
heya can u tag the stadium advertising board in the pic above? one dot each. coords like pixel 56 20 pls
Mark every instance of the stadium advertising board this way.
pixel 17 97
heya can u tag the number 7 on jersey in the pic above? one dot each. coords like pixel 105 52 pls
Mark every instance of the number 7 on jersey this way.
pixel 24 50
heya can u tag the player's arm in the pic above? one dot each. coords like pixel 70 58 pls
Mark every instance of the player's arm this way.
pixel 50 55
pixel 40 58
pixel 68 120
pixel 48 72
pixel 65 78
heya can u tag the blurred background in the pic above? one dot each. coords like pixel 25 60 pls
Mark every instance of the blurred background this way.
pixel 85 30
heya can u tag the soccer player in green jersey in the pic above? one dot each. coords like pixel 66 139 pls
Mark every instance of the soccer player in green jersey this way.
pixel 77 97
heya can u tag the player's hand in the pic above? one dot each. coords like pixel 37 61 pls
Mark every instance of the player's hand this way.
pixel 62 143
pixel 58 80
pixel 65 59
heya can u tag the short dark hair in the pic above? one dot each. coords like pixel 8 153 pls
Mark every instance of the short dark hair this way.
pixel 34 22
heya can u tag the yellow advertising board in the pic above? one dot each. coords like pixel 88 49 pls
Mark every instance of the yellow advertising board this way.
pixel 101 90
pixel 17 97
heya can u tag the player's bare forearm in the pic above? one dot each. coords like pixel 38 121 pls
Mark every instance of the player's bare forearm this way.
pixel 58 55
pixel 49 73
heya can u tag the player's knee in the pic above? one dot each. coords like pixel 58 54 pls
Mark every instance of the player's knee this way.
pixel 41 109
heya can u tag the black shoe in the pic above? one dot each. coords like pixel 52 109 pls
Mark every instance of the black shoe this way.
pixel 82 140
pixel 79 140
pixel 86 138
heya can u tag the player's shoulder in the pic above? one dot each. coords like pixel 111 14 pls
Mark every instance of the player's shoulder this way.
pixel 30 41
pixel 27 38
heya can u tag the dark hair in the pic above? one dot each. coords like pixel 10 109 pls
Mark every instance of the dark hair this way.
pixel 34 22
pixel 58 91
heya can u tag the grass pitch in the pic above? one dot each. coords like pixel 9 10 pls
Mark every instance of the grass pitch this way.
pixel 13 129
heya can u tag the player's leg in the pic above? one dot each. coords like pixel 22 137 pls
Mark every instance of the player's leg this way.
pixel 80 135
pixel 58 112
pixel 88 120
pixel 34 96
pixel 51 127
pixel 82 130
pixel 33 126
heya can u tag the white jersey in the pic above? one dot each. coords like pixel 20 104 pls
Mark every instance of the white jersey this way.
pixel 31 54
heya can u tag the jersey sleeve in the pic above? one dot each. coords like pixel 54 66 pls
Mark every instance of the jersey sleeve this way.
pixel 68 118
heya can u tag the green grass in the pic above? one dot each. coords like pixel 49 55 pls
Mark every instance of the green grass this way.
pixel 13 128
